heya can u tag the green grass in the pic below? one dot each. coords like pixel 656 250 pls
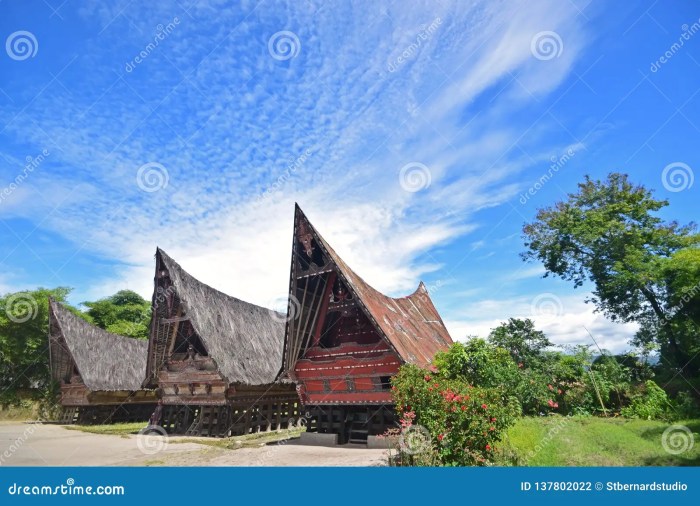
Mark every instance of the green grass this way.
pixel 117 429
pixel 25 410
pixel 248 441
pixel 593 441
pixel 231 443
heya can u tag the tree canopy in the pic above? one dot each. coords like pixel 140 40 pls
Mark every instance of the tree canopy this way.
pixel 24 327
pixel 643 269
pixel 125 313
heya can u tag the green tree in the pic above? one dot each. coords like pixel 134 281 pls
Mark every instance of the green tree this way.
pixel 524 343
pixel 478 363
pixel 125 313
pixel 24 327
pixel 607 233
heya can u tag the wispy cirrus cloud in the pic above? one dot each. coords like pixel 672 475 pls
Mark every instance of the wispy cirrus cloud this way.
pixel 226 120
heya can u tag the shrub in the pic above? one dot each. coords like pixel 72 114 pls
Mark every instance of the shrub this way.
pixel 686 406
pixel 651 403
pixel 464 423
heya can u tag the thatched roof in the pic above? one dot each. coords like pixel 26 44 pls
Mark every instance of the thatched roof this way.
pixel 411 324
pixel 105 361
pixel 246 341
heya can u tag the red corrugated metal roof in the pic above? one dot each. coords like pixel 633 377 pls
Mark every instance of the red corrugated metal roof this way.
pixel 411 324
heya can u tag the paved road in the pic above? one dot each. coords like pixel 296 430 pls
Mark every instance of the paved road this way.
pixel 53 445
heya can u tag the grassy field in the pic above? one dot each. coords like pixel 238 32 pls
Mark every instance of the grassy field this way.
pixel 592 441
pixel 231 443
pixel 116 429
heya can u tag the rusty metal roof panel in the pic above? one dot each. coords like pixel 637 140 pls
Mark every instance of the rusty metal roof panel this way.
pixel 412 324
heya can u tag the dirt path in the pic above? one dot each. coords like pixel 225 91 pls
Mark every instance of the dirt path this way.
pixel 53 445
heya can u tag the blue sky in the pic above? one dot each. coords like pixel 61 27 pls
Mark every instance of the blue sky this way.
pixel 415 139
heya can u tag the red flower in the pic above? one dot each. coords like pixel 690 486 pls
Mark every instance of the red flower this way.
pixel 492 429
pixel 493 419
pixel 440 437
pixel 488 447
pixel 464 408
pixel 550 387
pixel 436 385
pixel 559 391
pixel 484 406
pixel 430 389
pixel 427 377
pixel 552 404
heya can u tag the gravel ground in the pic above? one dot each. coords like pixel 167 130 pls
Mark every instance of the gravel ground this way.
pixel 52 445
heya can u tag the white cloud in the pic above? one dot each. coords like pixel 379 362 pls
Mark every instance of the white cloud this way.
pixel 564 321
pixel 225 120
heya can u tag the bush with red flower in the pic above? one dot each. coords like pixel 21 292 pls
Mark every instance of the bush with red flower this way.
pixel 465 423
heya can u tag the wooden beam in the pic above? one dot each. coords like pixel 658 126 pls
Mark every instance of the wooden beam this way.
pixel 175 319
pixel 323 308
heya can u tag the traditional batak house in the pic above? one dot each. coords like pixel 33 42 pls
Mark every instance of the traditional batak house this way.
pixel 215 359
pixel 345 340
pixel 100 374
